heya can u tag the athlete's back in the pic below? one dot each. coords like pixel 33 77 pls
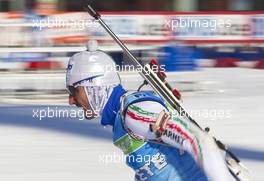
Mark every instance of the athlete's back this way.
pixel 152 161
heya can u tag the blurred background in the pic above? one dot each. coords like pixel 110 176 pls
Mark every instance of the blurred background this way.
pixel 213 51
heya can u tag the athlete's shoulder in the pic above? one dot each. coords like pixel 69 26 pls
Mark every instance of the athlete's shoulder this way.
pixel 139 110
pixel 141 97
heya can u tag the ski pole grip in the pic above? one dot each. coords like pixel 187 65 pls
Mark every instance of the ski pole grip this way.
pixel 92 12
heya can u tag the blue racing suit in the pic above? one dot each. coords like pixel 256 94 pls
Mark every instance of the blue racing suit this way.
pixel 150 161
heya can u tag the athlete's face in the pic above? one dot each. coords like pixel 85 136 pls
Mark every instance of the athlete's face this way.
pixel 78 97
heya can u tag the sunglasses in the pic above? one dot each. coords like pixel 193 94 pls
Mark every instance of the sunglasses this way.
pixel 71 90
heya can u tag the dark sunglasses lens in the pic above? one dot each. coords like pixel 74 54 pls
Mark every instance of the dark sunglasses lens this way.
pixel 71 90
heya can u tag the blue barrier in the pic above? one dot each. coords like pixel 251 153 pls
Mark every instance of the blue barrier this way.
pixel 179 57
pixel 240 53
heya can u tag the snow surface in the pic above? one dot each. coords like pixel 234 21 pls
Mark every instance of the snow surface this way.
pixel 70 149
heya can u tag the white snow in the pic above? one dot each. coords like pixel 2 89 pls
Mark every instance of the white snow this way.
pixel 29 153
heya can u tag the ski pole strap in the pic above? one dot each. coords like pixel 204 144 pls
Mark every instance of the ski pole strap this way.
pixel 160 125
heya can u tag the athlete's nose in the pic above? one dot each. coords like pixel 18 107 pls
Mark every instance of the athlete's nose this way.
pixel 72 100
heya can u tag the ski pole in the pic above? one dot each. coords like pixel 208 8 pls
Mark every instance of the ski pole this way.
pixel 159 86
pixel 147 73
